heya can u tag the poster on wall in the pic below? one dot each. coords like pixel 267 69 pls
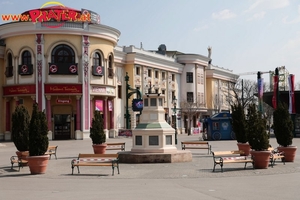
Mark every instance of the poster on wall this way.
pixel 99 105
pixel 110 106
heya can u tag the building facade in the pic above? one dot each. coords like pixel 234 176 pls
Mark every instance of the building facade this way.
pixel 67 67
pixel 73 67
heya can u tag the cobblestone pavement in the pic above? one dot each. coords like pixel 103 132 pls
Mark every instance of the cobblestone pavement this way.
pixel 193 180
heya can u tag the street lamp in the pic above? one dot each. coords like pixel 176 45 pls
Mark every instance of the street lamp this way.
pixel 174 101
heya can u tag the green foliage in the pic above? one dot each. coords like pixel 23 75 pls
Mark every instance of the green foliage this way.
pixel 38 129
pixel 20 128
pixel 256 126
pixel 238 123
pixel 96 131
pixel 283 126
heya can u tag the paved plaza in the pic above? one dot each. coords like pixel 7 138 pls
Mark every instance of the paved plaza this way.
pixel 190 180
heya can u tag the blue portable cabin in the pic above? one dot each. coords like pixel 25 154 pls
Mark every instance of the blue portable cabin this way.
pixel 219 127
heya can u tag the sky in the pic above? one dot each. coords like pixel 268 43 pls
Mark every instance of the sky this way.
pixel 245 35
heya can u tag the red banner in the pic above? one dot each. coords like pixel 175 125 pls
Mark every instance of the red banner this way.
pixel 275 88
pixel 63 89
pixel 18 90
pixel 292 108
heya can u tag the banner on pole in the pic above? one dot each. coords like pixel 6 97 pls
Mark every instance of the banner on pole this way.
pixel 291 79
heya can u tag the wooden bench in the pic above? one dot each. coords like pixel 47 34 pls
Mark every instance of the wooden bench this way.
pixel 51 151
pixel 223 157
pixel 276 155
pixel 21 160
pixel 196 145
pixel 116 146
pixel 110 160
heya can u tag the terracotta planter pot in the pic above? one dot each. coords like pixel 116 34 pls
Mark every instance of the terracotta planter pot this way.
pixel 244 147
pixel 99 148
pixel 38 164
pixel 289 153
pixel 261 159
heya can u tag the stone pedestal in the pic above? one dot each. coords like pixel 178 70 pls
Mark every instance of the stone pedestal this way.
pixel 7 136
pixel 49 135
pixel 112 133
pixel 153 138
pixel 153 134
pixel 78 135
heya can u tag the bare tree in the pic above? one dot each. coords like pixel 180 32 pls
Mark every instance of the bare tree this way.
pixel 268 113
pixel 242 91
pixel 190 109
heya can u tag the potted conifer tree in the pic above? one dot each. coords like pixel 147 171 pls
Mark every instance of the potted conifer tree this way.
pixel 283 130
pixel 38 142
pixel 20 131
pixel 97 134
pixel 258 138
pixel 238 122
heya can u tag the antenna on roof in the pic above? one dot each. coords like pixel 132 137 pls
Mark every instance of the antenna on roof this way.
pixel 141 45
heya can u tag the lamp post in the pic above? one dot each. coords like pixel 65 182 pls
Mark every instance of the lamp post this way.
pixel 174 101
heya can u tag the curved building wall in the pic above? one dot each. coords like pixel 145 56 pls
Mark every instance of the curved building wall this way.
pixel 61 76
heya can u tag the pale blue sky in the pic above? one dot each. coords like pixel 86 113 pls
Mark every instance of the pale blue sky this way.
pixel 245 35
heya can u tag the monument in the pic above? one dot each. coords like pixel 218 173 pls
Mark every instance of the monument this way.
pixel 153 139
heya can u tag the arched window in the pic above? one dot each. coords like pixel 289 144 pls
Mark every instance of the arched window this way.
pixel 97 64
pixel 97 61
pixel 63 54
pixel 9 68
pixel 110 67
pixel 63 61
pixel 25 68
pixel 26 58
pixel 9 58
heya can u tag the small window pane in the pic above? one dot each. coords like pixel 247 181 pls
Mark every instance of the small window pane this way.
pixel 146 102
pixel 168 139
pixel 153 102
pixel 189 77
pixel 138 140
pixel 153 140
pixel 160 101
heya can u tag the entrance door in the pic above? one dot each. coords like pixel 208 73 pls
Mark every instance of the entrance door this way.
pixel 62 127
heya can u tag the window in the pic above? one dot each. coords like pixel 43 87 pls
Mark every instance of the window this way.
pixel 190 97
pixel 137 70
pixel 98 69
pixel 152 101
pixel 146 104
pixel 110 67
pixel 62 54
pixel 26 58
pixel 9 68
pixel 163 91
pixel 63 61
pixel 26 68
pixel 160 102
pixel 168 139
pixel 120 91
pixel 149 73
pixel 202 98
pixel 156 91
pixel 97 61
pixel 9 57
pixel 173 77
pixel 189 77
pixel 156 74
pixel 173 95
pixel 163 75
